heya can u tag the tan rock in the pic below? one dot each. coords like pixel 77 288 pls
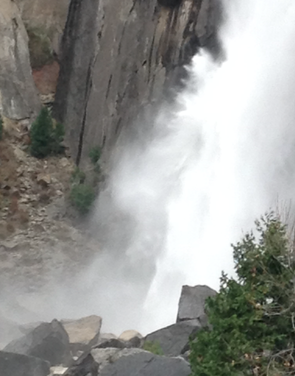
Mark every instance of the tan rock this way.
pixel 43 179
pixel 84 331
pixel 127 335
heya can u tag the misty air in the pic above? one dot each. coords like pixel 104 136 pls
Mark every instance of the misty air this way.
pixel 147 183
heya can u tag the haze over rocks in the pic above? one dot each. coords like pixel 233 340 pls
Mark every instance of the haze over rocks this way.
pixel 79 348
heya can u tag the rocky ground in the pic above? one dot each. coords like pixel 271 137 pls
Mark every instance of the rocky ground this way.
pixel 79 348
pixel 39 237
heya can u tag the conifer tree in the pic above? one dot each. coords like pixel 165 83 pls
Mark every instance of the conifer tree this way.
pixel 41 132
pixel 252 317
pixel 45 137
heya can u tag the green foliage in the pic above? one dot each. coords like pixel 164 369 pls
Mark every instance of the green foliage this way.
pixel 95 154
pixel 58 135
pixel 153 347
pixel 82 197
pixel 1 127
pixel 46 137
pixel 78 176
pixel 39 47
pixel 252 316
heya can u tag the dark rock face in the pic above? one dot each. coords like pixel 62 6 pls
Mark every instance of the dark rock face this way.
pixel 48 341
pixel 118 57
pixel 146 364
pixel 83 366
pixel 174 339
pixel 191 304
pixel 22 365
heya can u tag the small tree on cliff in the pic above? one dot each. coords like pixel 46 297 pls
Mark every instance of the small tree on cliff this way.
pixel 253 316
pixel 46 136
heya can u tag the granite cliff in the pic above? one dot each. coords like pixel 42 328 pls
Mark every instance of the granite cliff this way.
pixel 118 58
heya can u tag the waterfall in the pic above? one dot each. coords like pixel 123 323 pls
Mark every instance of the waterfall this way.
pixel 207 171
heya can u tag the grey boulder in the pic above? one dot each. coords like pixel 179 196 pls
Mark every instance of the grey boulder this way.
pixel 174 339
pixel 192 301
pixel 143 363
pixel 22 365
pixel 48 341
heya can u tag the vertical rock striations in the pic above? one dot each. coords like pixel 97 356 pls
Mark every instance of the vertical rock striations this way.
pixel 18 98
pixel 119 56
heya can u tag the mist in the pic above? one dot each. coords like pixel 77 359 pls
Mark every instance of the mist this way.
pixel 192 181
pixel 179 196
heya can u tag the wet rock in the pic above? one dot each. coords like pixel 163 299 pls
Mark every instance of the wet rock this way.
pixel 22 365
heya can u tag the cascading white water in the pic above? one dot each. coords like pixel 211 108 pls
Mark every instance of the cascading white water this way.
pixel 210 168
pixel 181 192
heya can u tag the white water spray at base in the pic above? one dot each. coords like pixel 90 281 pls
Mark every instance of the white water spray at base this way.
pixel 214 166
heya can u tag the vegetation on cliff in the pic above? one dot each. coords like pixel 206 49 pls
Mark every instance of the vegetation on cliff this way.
pixel 252 317
pixel 46 135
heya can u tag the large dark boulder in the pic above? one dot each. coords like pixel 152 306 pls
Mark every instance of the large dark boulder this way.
pixel 191 304
pixel 22 365
pixel 174 339
pixel 49 341
pixel 146 364
pixel 85 365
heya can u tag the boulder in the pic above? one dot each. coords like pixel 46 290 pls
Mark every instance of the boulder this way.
pixel 174 339
pixel 128 335
pixel 83 333
pixel 142 363
pixel 103 357
pixel 49 341
pixel 18 94
pixel 22 365
pixel 113 342
pixel 57 371
pixel 85 365
pixel 191 304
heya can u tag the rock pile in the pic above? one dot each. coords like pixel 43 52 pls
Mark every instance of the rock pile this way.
pixel 78 348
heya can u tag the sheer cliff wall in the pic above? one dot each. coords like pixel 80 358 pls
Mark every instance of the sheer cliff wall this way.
pixel 117 57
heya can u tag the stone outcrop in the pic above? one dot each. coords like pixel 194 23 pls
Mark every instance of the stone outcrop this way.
pixel 119 57
pixel 191 304
pixel 18 94
pixel 22 365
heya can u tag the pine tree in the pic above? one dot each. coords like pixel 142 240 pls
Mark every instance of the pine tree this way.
pixel 41 134
pixel 46 137
pixel 252 317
